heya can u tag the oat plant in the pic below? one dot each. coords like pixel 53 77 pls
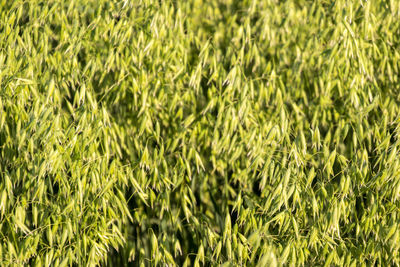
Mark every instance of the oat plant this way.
pixel 199 133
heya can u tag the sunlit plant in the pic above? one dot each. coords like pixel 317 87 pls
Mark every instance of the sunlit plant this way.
pixel 199 133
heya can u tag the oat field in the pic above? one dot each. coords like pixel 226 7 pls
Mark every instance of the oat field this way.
pixel 199 133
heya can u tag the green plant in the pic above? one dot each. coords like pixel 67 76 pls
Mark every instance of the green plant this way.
pixel 200 132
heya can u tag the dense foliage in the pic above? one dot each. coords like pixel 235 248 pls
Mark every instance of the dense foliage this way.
pixel 199 132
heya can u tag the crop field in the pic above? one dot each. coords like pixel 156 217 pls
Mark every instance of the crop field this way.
pixel 200 133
